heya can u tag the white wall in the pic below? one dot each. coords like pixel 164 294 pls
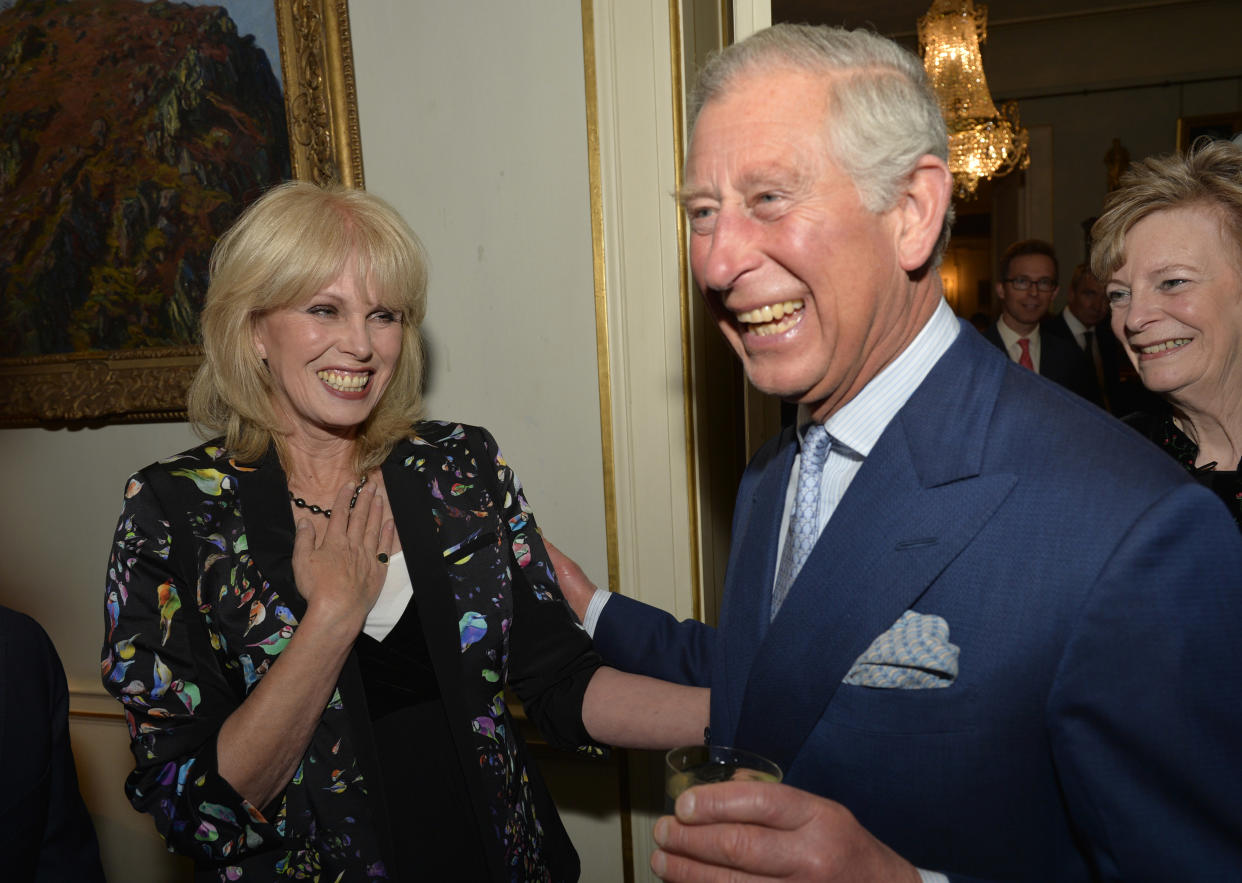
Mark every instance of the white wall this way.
pixel 69 486
pixel 474 126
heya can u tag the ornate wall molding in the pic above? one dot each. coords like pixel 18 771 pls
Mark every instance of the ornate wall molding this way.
pixel 86 389
pixel 320 96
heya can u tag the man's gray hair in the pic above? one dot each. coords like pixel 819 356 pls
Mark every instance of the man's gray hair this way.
pixel 884 114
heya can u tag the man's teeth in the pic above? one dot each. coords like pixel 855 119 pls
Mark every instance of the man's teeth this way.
pixel 344 381
pixel 1164 345
pixel 768 319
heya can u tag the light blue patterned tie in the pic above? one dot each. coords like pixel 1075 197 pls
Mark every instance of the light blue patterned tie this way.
pixel 804 517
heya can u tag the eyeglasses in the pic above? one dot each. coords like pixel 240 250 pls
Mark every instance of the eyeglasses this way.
pixel 1023 283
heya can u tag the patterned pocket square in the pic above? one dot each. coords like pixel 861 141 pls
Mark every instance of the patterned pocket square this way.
pixel 915 654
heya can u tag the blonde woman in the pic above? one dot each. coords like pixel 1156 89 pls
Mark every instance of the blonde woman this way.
pixel 1169 249
pixel 311 619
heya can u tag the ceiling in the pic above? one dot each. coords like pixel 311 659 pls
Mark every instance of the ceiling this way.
pixel 898 18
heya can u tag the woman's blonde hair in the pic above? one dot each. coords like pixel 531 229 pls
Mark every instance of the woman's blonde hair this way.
pixel 289 244
pixel 1210 174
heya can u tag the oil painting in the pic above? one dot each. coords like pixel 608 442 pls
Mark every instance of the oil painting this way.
pixel 132 133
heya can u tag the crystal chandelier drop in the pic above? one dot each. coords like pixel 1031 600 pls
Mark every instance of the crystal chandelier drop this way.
pixel 983 143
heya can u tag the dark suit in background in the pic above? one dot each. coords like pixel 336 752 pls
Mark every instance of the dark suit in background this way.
pixel 1061 361
pixel 1123 392
pixel 45 831
pixel 1091 730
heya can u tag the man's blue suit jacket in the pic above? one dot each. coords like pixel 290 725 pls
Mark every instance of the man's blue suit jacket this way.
pixel 1094 731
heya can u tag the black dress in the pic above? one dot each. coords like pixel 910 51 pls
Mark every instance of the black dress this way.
pixel 431 839
pixel 1225 483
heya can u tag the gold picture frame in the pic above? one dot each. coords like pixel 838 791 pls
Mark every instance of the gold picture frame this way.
pixel 1215 125
pixel 143 385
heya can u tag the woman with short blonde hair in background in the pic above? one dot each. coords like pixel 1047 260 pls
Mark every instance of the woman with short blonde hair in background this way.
pixel 1169 250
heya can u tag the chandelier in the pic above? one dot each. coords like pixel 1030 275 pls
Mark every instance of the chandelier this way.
pixel 983 143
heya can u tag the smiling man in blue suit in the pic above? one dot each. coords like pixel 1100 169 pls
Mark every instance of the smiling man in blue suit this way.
pixel 986 630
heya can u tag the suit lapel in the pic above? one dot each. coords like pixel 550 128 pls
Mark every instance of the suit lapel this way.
pixel 270 529
pixel 437 610
pixel 992 336
pixel 264 497
pixel 752 567
pixel 915 504
pixel 1060 358
pixel 423 555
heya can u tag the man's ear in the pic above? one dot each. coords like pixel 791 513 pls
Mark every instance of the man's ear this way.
pixel 921 208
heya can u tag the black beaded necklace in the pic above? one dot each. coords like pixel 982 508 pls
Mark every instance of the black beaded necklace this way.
pixel 319 510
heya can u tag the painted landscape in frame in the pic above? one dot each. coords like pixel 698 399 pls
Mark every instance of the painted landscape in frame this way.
pixel 131 134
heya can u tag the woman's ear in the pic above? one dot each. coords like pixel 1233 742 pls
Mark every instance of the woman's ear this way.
pixel 921 208
pixel 257 336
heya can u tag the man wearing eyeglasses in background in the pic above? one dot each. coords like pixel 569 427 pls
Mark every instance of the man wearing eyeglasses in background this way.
pixel 1028 283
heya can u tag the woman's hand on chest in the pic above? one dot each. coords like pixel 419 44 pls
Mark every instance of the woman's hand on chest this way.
pixel 337 564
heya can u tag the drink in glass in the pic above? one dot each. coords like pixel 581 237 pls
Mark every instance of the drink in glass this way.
pixel 706 764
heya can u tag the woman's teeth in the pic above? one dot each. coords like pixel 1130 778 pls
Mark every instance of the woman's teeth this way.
pixel 345 381
pixel 1164 345
pixel 773 318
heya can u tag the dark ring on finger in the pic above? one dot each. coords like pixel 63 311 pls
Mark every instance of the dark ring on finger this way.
pixel 382 557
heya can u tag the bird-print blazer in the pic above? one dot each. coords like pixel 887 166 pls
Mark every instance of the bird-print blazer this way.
pixel 200 601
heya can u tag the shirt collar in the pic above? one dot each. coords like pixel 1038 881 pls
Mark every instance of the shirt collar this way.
pixel 857 426
pixel 1074 323
pixel 1011 337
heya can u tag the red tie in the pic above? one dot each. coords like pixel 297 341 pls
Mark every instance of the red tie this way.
pixel 1025 359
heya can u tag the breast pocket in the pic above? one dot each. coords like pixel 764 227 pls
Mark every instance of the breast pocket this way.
pixel 876 710
pixel 875 749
